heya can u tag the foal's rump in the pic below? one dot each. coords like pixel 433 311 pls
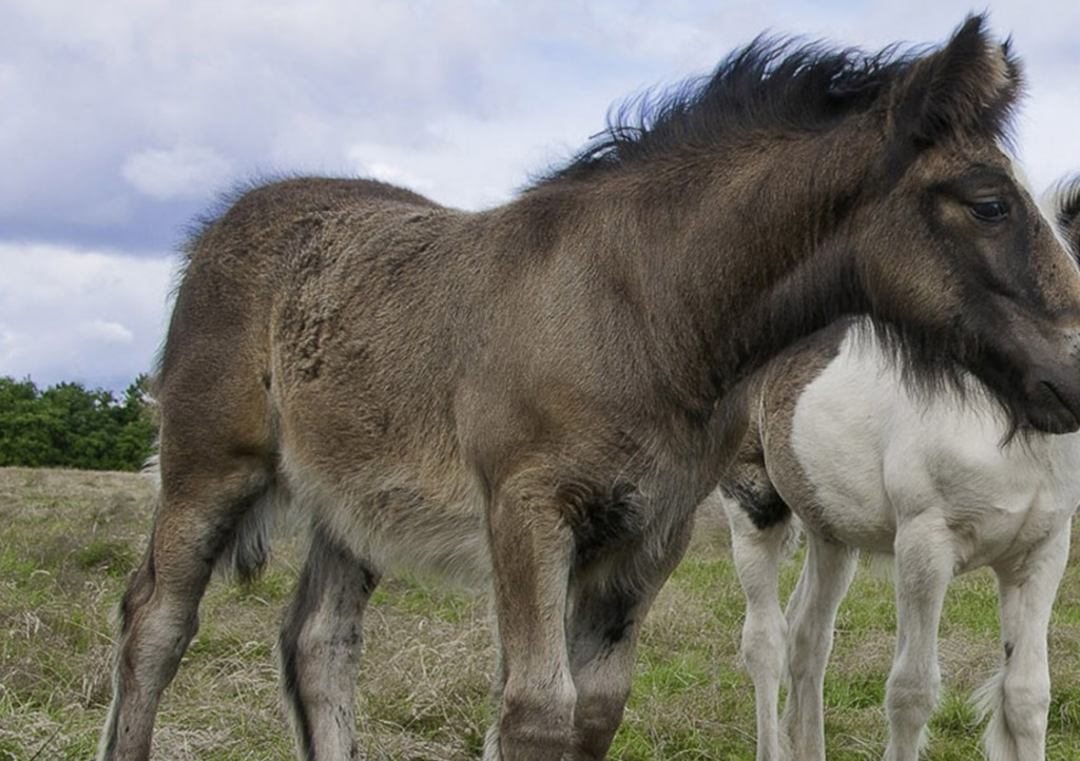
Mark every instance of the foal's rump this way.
pixel 313 358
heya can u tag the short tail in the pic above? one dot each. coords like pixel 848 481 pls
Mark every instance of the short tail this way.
pixel 989 701
pixel 248 550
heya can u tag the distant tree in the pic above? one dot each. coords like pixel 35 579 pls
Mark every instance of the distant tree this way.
pixel 137 421
pixel 68 425
pixel 24 427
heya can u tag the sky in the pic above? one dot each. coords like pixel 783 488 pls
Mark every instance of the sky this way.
pixel 122 120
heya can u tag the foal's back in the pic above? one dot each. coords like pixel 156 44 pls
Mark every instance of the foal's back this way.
pixel 244 272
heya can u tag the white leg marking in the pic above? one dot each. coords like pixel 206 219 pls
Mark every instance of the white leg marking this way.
pixel 758 554
pixel 811 615
pixel 924 568
pixel 1018 699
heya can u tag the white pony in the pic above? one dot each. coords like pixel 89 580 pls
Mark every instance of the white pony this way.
pixel 934 478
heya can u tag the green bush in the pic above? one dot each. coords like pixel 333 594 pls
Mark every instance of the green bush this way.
pixel 69 426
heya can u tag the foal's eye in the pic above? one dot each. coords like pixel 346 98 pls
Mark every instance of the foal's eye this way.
pixel 990 211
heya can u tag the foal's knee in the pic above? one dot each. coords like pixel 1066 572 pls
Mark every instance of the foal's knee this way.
pixel 764 645
pixel 537 720
pixel 911 698
pixel 596 720
pixel 806 651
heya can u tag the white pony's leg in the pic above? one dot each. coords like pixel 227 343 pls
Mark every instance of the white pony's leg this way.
pixel 811 613
pixel 758 553
pixel 1018 699
pixel 924 568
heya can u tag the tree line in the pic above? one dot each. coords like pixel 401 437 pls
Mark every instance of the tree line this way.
pixel 70 426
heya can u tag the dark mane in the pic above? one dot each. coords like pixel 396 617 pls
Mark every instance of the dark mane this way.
pixel 771 84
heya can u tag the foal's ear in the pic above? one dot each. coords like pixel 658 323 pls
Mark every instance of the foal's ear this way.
pixel 969 86
pixel 1067 212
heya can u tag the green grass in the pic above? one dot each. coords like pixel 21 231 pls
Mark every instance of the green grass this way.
pixel 70 538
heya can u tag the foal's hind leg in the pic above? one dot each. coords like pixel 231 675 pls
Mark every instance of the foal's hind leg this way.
pixel 320 649
pixel 758 554
pixel 195 520
pixel 1020 697
pixel 826 576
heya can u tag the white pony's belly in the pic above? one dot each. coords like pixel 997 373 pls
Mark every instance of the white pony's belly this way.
pixel 878 456
pixel 836 436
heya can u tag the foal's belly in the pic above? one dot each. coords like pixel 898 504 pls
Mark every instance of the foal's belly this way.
pixel 395 517
pixel 847 501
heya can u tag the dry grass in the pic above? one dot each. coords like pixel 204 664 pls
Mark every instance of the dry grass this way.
pixel 68 540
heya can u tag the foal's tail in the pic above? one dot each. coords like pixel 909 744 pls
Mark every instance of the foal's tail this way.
pixel 248 549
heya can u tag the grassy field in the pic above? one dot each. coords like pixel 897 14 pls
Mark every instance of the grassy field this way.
pixel 68 539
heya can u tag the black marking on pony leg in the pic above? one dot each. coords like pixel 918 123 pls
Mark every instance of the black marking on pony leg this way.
pixel 760 502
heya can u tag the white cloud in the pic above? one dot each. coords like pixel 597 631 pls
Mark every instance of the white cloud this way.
pixel 370 161
pixel 180 100
pixel 179 172
pixel 106 331
pixel 71 314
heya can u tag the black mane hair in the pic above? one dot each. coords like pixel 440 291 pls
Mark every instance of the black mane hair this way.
pixel 771 84
pixel 782 84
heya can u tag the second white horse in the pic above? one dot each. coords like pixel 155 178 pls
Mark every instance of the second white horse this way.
pixel 934 478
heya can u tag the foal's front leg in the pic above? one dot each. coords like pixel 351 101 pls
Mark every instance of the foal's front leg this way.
pixel 531 551
pixel 924 567
pixel 605 619
pixel 603 640
pixel 1020 697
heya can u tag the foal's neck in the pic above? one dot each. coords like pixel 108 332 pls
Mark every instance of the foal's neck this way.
pixel 763 258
